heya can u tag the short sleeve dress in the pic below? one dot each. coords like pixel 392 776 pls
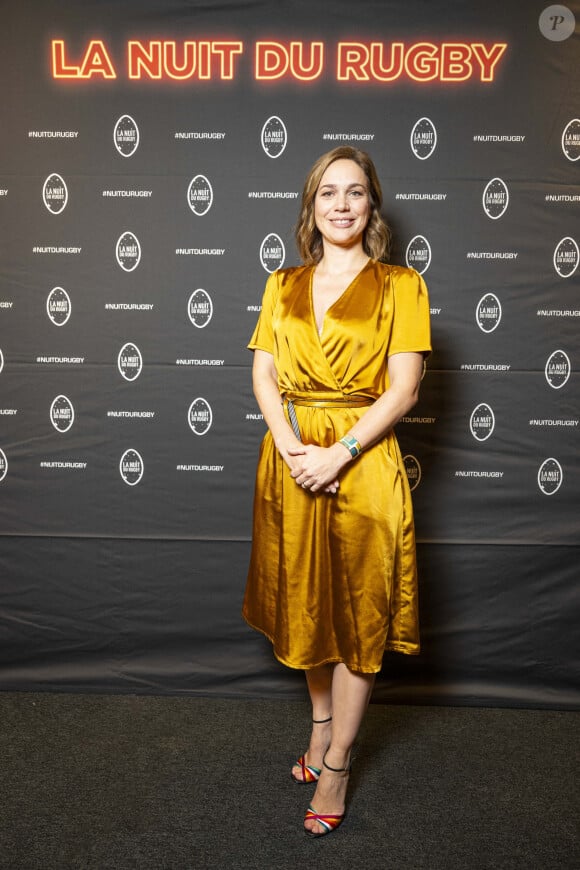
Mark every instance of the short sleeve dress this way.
pixel 333 577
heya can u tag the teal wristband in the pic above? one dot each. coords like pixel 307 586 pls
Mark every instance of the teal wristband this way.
pixel 352 445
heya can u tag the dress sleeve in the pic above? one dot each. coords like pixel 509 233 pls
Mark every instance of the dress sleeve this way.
pixel 411 329
pixel 263 336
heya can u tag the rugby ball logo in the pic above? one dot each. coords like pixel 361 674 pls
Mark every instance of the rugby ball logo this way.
pixel 550 476
pixel 131 467
pixel 1 361
pixel 55 193
pixel 488 313
pixel 130 361
pixel 3 465
pixel 200 308
pixel 423 139
pixel 571 140
pixel 199 195
pixel 418 254
pixel 558 369
pixel 128 252
pixel 58 306
pixel 413 470
pixel 566 255
pixel 495 199
pixel 126 136
pixel 272 253
pixel 482 422
pixel 274 136
pixel 199 416
pixel 62 414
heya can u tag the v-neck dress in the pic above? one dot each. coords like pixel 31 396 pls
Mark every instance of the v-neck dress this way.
pixel 333 577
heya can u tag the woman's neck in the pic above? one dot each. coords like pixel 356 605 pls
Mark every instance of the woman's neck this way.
pixel 337 260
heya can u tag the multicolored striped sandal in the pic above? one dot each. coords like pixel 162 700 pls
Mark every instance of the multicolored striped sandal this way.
pixel 329 821
pixel 309 773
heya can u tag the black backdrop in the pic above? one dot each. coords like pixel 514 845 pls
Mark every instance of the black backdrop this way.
pixel 151 158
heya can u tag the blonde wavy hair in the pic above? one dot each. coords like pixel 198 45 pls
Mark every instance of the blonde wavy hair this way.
pixel 377 236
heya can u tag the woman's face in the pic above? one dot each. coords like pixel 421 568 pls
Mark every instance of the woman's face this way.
pixel 342 204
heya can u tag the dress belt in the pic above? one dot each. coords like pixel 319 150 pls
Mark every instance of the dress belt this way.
pixel 327 402
pixel 330 401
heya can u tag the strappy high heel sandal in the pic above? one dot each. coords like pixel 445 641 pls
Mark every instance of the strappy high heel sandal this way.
pixel 329 821
pixel 309 773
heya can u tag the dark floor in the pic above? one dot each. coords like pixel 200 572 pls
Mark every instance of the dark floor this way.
pixel 163 782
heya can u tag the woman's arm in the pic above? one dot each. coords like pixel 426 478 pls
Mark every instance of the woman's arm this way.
pixel 405 373
pixel 265 383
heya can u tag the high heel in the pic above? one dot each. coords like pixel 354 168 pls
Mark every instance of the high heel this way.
pixel 309 773
pixel 329 821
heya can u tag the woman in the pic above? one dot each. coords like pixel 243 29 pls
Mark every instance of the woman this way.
pixel 339 351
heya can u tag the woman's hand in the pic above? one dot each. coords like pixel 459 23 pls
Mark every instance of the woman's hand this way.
pixel 291 454
pixel 317 468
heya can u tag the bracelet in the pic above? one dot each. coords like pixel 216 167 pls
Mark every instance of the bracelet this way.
pixel 352 445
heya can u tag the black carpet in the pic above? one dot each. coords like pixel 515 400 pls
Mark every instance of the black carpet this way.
pixel 163 782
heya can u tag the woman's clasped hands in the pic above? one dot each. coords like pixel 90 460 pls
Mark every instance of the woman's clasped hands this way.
pixel 317 468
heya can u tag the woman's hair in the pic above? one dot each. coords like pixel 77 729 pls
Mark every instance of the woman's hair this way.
pixel 377 236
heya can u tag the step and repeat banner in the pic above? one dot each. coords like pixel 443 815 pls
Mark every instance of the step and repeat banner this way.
pixel 152 156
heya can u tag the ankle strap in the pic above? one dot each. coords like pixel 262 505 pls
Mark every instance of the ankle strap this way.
pixel 337 769
pixel 321 721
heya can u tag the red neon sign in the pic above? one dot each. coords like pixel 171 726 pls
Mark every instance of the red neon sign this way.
pixel 205 60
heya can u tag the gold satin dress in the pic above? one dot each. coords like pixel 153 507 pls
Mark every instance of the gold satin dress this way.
pixel 333 577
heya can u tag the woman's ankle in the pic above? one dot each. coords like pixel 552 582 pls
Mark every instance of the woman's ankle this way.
pixel 337 760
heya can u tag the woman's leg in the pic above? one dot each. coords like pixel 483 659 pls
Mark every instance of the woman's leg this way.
pixel 350 697
pixel 319 681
